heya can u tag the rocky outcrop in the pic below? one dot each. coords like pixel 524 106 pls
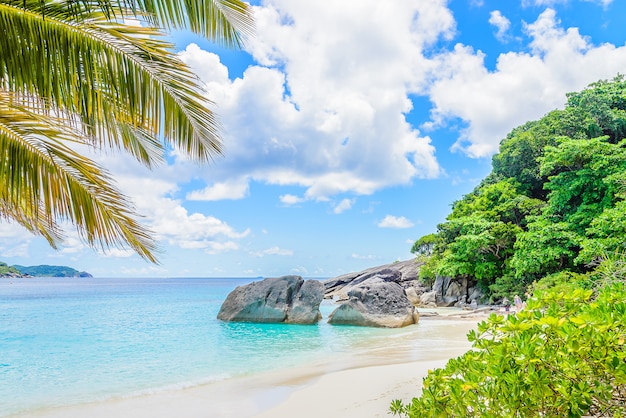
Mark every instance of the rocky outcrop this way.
pixel 288 299
pixel 404 273
pixel 448 292
pixel 375 303
pixel 444 291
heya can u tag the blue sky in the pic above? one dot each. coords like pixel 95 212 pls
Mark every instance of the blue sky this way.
pixel 349 129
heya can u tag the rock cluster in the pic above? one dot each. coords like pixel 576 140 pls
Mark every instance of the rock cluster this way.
pixel 444 292
pixel 288 299
pixel 448 292
pixel 384 296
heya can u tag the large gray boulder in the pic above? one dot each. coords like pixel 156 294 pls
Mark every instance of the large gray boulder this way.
pixel 376 303
pixel 288 299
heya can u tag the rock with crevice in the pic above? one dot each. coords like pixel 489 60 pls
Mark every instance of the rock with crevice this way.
pixel 288 299
pixel 376 303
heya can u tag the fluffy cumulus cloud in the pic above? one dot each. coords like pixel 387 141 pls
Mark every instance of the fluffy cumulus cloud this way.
pixel 524 86
pixel 324 107
pixel 235 189
pixel 397 222
pixel 174 224
pixel 501 23
pixel 153 197
pixel 289 199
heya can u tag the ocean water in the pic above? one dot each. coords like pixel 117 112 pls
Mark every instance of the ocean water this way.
pixel 69 341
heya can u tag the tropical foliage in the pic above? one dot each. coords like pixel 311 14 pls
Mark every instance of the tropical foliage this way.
pixel 554 200
pixel 562 356
pixel 99 74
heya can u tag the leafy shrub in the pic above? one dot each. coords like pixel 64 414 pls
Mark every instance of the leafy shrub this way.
pixel 563 356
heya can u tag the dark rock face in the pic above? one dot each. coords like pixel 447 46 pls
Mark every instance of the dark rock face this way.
pixel 376 303
pixel 283 299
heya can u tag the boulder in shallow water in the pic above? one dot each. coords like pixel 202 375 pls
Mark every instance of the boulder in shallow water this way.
pixel 282 299
pixel 376 304
pixel 305 305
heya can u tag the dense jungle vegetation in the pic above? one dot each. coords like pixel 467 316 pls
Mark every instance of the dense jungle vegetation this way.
pixel 550 220
pixel 553 202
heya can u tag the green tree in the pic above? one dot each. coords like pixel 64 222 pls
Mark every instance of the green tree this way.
pixel 425 245
pixel 583 179
pixel 480 250
pixel 552 201
pixel 480 233
pixel 75 73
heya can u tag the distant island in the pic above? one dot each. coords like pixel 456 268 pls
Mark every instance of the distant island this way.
pixel 40 271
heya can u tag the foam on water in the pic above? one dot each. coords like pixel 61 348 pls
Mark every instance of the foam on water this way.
pixel 68 341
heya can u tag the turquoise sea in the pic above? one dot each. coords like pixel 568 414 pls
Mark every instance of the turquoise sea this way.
pixel 69 341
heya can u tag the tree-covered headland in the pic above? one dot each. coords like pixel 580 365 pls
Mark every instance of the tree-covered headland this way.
pixel 553 202
pixel 550 220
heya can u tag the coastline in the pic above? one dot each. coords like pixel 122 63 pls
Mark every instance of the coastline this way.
pixel 356 386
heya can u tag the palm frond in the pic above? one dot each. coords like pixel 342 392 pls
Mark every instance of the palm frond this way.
pixel 103 73
pixel 73 71
pixel 45 181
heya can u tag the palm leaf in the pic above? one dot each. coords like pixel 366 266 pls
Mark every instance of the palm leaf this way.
pixel 74 72
pixel 101 74
pixel 45 181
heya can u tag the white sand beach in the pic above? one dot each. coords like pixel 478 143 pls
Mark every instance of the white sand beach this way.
pixel 354 387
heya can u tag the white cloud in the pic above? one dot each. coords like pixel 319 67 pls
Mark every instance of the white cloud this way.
pixel 397 222
pixel 289 199
pixel 165 215
pixel 344 205
pixel 72 244
pixel 16 240
pixel 15 250
pixel 501 23
pixel 211 71
pixel 326 108
pixel 173 223
pixel 524 86
pixel 234 190
pixel 213 247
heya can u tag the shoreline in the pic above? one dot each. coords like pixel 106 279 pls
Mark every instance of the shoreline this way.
pixel 358 385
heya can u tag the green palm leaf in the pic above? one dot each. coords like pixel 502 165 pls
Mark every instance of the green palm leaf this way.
pixel 46 181
pixel 74 72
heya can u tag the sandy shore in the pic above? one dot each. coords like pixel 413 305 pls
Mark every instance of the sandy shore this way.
pixel 354 387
